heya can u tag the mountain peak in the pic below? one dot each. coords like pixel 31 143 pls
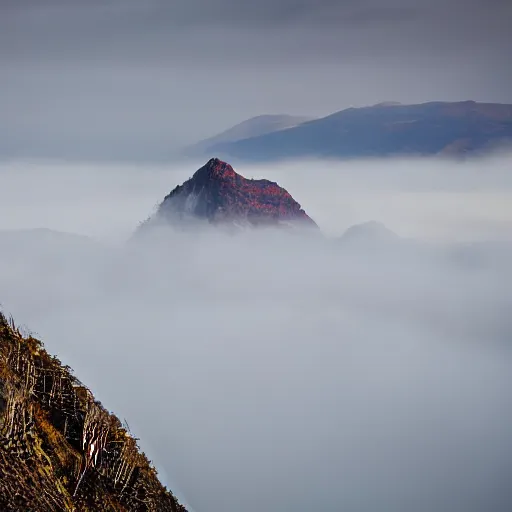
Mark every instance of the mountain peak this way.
pixel 215 169
pixel 218 194
pixel 369 231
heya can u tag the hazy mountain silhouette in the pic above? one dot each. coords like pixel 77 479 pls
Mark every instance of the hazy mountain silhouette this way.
pixel 252 127
pixel 385 129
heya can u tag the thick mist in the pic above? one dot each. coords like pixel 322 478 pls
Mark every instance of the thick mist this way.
pixel 264 370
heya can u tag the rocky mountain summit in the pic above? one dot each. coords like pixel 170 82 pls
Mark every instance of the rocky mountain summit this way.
pixel 219 195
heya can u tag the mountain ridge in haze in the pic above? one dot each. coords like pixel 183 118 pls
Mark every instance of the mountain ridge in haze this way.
pixel 385 129
pixel 253 127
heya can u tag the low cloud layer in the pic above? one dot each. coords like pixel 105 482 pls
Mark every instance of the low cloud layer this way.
pixel 265 371
pixel 427 198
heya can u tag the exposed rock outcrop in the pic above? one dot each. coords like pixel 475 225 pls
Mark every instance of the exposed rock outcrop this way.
pixel 219 195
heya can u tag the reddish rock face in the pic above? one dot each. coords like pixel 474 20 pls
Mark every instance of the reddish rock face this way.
pixel 218 194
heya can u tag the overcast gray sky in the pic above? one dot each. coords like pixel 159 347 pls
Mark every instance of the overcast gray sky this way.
pixel 107 78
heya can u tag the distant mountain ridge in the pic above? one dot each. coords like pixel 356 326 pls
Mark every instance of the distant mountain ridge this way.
pixel 218 195
pixel 253 127
pixel 385 129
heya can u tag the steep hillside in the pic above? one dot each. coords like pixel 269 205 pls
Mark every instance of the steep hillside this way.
pixel 386 129
pixel 60 450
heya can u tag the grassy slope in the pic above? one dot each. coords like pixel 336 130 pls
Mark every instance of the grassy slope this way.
pixel 60 450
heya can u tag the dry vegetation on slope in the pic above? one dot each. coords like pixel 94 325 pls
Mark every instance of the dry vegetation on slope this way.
pixel 60 450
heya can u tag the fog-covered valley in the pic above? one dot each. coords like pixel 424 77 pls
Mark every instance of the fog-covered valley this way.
pixel 362 370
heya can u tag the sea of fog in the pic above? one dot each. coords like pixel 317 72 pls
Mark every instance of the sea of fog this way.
pixel 267 371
